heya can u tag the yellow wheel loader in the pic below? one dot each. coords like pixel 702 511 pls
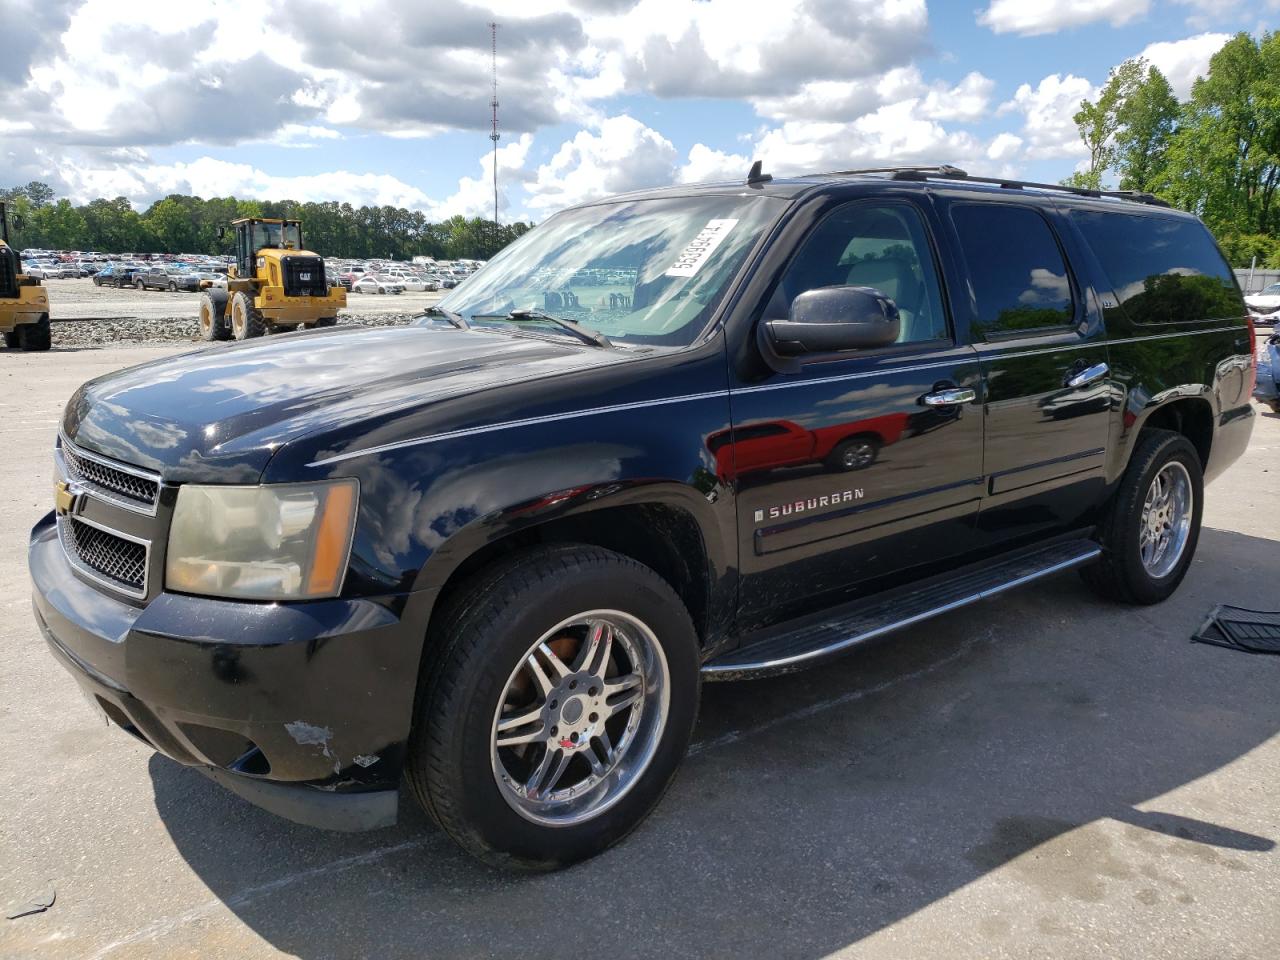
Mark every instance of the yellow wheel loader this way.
pixel 274 285
pixel 24 303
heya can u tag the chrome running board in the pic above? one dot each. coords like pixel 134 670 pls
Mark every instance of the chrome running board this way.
pixel 804 644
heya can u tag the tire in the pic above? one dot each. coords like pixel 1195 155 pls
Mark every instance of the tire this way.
pixel 1121 574
pixel 173 287
pixel 139 285
pixel 97 282
pixel 11 339
pixel 856 453
pixel 212 317
pixel 478 657
pixel 246 322
pixel 326 322
pixel 35 336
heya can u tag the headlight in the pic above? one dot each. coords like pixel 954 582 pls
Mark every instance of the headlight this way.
pixel 271 542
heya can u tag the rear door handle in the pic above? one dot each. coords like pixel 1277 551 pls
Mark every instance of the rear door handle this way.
pixel 1088 375
pixel 950 397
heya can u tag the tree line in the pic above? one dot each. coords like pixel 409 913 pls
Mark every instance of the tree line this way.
pixel 1216 154
pixel 186 224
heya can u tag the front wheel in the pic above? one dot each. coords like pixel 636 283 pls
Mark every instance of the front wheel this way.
pixel 1150 532
pixel 557 707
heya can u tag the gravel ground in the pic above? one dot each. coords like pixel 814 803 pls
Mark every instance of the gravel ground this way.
pixel 85 315
pixel 1038 776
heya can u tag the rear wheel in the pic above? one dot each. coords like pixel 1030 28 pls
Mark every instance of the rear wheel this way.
pixel 246 321
pixel 11 339
pixel 555 714
pixel 1152 526
pixel 139 285
pixel 35 336
pixel 326 321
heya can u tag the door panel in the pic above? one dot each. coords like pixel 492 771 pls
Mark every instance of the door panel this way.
pixel 843 473
pixel 1035 330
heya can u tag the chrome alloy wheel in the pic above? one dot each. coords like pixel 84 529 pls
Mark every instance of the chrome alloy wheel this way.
pixel 1166 519
pixel 580 718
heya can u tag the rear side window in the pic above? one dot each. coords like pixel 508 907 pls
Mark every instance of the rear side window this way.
pixel 1162 269
pixel 1016 267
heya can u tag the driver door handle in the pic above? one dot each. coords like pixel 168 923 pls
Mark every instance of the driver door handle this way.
pixel 1088 375
pixel 950 397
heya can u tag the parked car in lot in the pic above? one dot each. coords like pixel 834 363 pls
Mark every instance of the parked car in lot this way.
pixel 1267 381
pixel 116 275
pixel 373 283
pixel 494 553
pixel 420 284
pixel 1265 305
pixel 161 277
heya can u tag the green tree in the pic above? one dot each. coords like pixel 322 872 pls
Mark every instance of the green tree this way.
pixel 1147 117
pixel 1098 122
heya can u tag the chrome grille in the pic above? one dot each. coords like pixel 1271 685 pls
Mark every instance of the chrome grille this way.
pixel 94 472
pixel 121 561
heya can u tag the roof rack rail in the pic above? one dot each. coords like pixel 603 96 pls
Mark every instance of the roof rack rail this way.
pixel 948 172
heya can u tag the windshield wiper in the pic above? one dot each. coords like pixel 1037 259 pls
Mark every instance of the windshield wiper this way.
pixel 456 319
pixel 587 335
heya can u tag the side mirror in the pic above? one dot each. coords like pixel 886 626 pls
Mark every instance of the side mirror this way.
pixel 19 221
pixel 222 233
pixel 830 319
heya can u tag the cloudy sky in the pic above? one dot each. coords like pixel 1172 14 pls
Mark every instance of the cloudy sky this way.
pixel 386 101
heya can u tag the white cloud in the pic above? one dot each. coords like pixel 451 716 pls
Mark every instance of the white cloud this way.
pixel 622 155
pixel 1047 109
pixel 1005 146
pixel 1030 17
pixel 474 196
pixel 893 134
pixel 208 177
pixel 843 100
pixel 705 165
pixel 1181 61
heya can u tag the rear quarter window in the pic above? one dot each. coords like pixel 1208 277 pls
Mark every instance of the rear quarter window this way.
pixel 1161 269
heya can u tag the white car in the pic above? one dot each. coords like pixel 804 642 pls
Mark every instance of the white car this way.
pixel 371 283
pixel 420 284
pixel 1265 305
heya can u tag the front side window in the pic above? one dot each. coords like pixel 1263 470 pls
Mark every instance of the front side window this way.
pixel 1016 268
pixel 641 272
pixel 883 246
pixel 276 236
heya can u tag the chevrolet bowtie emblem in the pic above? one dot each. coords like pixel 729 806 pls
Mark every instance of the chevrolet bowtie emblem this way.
pixel 65 496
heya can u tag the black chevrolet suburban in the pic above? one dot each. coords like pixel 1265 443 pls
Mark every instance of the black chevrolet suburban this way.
pixel 698 433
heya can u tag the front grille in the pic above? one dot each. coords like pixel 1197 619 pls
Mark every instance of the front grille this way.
pixel 95 473
pixel 8 272
pixel 119 560
pixel 304 277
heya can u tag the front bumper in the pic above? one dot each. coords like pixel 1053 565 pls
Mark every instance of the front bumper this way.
pixel 303 709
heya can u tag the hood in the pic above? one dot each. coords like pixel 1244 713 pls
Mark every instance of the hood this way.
pixel 218 415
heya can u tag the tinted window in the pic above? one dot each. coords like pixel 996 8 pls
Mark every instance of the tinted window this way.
pixel 1162 269
pixel 1015 266
pixel 864 245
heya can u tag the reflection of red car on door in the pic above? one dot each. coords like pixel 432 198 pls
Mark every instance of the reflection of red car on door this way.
pixel 782 443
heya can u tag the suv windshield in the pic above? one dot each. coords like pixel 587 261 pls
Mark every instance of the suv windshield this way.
pixel 640 271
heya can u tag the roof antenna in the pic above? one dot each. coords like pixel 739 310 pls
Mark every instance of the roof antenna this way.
pixel 757 174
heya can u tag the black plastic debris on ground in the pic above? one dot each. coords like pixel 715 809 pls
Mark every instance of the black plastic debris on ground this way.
pixel 37 904
pixel 1254 631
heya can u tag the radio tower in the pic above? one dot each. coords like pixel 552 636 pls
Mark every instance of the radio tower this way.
pixel 495 136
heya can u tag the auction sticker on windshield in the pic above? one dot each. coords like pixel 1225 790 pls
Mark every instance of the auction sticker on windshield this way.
pixel 701 248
